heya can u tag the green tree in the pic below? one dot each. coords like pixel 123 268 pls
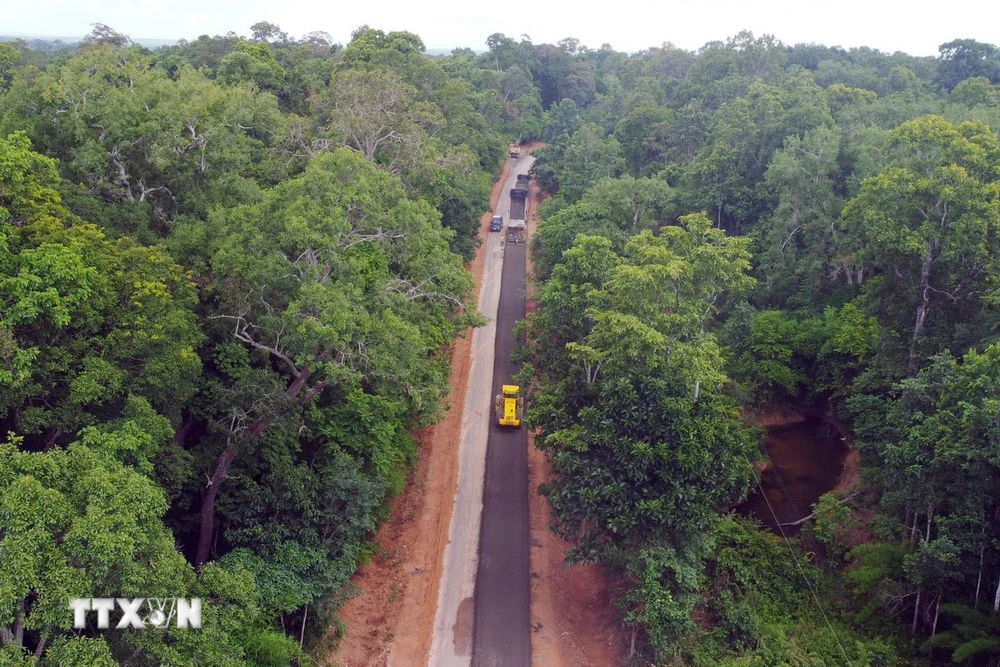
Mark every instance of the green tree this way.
pixel 644 380
pixel 963 59
pixel 930 222
pixel 77 523
pixel 499 47
pixel 797 243
pixel 133 134
pixel 614 208
pixel 104 35
pixel 588 157
pixel 8 59
pixel 252 63
pixel 290 273
pixel 645 447
pixel 369 110
pixel 635 134
pixel 94 333
pixel 265 31
pixel 975 91
pixel 937 434
pixel 28 184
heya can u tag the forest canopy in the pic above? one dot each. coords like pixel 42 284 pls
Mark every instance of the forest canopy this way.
pixel 231 270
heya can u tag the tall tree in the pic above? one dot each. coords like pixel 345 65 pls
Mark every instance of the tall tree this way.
pixel 929 226
pixel 93 331
pixel 963 59
pixel 290 274
pixel 798 242
pixel 376 114
pixel 105 35
pixel 132 133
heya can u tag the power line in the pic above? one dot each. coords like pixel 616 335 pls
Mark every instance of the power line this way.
pixel 795 558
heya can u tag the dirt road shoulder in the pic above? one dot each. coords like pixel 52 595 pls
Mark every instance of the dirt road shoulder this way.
pixel 574 621
pixel 391 621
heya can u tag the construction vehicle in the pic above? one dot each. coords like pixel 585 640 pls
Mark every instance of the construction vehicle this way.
pixel 509 406
pixel 518 200
pixel 514 151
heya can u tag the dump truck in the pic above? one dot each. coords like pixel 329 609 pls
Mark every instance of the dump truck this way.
pixel 509 406
pixel 514 150
pixel 518 215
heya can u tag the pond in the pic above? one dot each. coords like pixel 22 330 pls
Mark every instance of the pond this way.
pixel 807 459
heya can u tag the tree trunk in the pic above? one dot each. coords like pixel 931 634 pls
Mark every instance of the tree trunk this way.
pixel 207 527
pixel 923 307
pixel 123 181
pixel 302 635
pixel 208 501
pixel 996 598
pixel 979 579
pixel 906 524
pixel 937 610
pixel 182 430
pixel 19 624
pixel 916 614
pixel 813 515
pixel 930 516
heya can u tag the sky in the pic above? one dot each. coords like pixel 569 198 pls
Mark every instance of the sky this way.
pixel 916 27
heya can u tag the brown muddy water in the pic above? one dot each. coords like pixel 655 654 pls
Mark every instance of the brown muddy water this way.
pixel 807 459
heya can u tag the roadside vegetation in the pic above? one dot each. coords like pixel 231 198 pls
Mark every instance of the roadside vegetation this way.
pixel 759 225
pixel 230 271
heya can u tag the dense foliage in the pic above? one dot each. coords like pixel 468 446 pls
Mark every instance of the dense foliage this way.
pixel 756 224
pixel 230 269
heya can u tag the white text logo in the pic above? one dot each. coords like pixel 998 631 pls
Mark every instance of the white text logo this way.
pixel 138 613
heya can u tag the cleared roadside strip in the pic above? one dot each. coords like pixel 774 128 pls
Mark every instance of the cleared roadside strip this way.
pixel 451 645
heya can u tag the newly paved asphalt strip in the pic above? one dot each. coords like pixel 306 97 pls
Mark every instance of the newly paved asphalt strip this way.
pixel 502 633
pixel 452 643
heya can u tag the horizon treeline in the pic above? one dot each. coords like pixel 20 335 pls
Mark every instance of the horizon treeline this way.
pixel 231 269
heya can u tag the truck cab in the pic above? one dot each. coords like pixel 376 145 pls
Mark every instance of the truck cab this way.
pixel 509 406
pixel 496 224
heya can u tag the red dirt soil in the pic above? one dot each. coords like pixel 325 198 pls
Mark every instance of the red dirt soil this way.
pixel 391 622
pixel 574 620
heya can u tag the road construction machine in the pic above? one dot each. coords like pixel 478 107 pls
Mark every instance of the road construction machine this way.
pixel 509 406
pixel 514 151
pixel 518 214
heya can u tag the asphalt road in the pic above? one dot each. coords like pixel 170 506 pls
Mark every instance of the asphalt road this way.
pixel 452 644
pixel 502 634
